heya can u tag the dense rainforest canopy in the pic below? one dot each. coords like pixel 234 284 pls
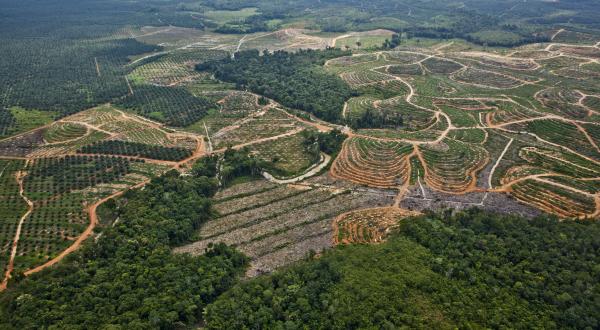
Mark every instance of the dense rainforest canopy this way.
pixel 468 270
pixel 296 80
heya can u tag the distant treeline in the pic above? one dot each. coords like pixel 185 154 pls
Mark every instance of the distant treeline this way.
pixel 49 49
pixel 521 23
pixel 444 33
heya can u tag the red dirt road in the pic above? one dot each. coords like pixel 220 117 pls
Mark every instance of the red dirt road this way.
pixel 87 233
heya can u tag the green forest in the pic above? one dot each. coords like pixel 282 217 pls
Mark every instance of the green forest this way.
pixel 504 23
pixel 295 80
pixel 327 142
pixel 442 271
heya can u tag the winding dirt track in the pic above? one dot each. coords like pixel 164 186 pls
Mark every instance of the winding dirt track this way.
pixel 487 124
pixel 490 186
pixel 404 188
pixel 556 33
pixel 19 176
pixel 88 231
pixel 97 66
pixel 325 159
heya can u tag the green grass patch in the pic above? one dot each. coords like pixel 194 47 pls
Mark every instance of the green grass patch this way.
pixel 26 119
pixel 229 16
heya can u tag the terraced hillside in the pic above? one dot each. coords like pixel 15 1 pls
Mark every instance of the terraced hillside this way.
pixel 521 122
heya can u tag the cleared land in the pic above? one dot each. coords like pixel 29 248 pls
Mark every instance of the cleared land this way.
pixel 527 96
pixel 277 224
